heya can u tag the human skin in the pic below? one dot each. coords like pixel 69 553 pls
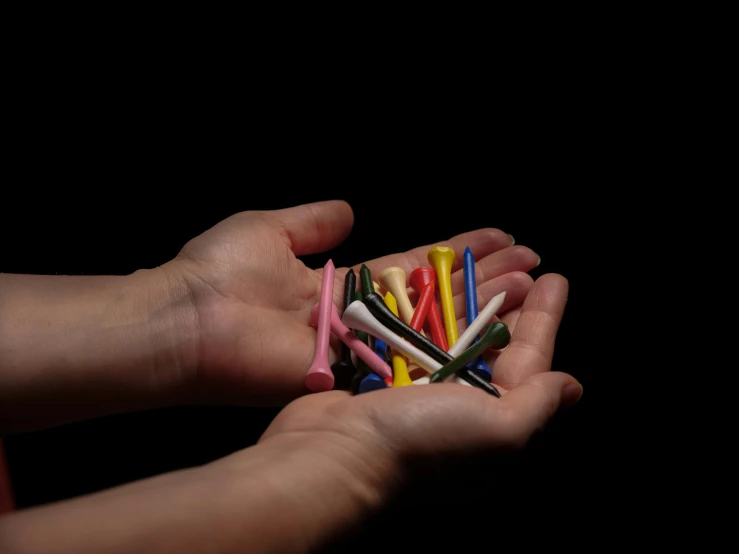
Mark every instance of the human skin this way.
pixel 210 326
pixel 224 322
pixel 326 462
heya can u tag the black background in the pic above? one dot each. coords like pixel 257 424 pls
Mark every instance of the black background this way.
pixel 117 175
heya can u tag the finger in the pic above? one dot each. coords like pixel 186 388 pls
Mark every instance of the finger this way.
pixel 531 347
pixel 481 242
pixel 510 318
pixel 528 407
pixel 516 286
pixel 315 227
pixel 515 258
pixel 508 260
pixel 491 356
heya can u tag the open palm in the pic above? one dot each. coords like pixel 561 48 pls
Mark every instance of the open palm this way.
pixel 447 418
pixel 253 296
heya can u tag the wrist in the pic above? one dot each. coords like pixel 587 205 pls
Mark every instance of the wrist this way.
pixel 292 493
pixel 305 489
pixel 73 347
pixel 164 327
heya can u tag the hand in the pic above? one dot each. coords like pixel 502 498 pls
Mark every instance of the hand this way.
pixel 325 462
pixel 252 296
pixel 226 321
pixel 444 418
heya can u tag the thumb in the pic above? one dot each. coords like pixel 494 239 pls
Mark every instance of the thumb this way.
pixel 315 227
pixel 535 401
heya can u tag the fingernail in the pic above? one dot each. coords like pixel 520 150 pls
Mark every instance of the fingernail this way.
pixel 513 241
pixel 538 260
pixel 571 394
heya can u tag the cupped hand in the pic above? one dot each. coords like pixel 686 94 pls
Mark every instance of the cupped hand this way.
pixel 252 296
pixel 449 418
